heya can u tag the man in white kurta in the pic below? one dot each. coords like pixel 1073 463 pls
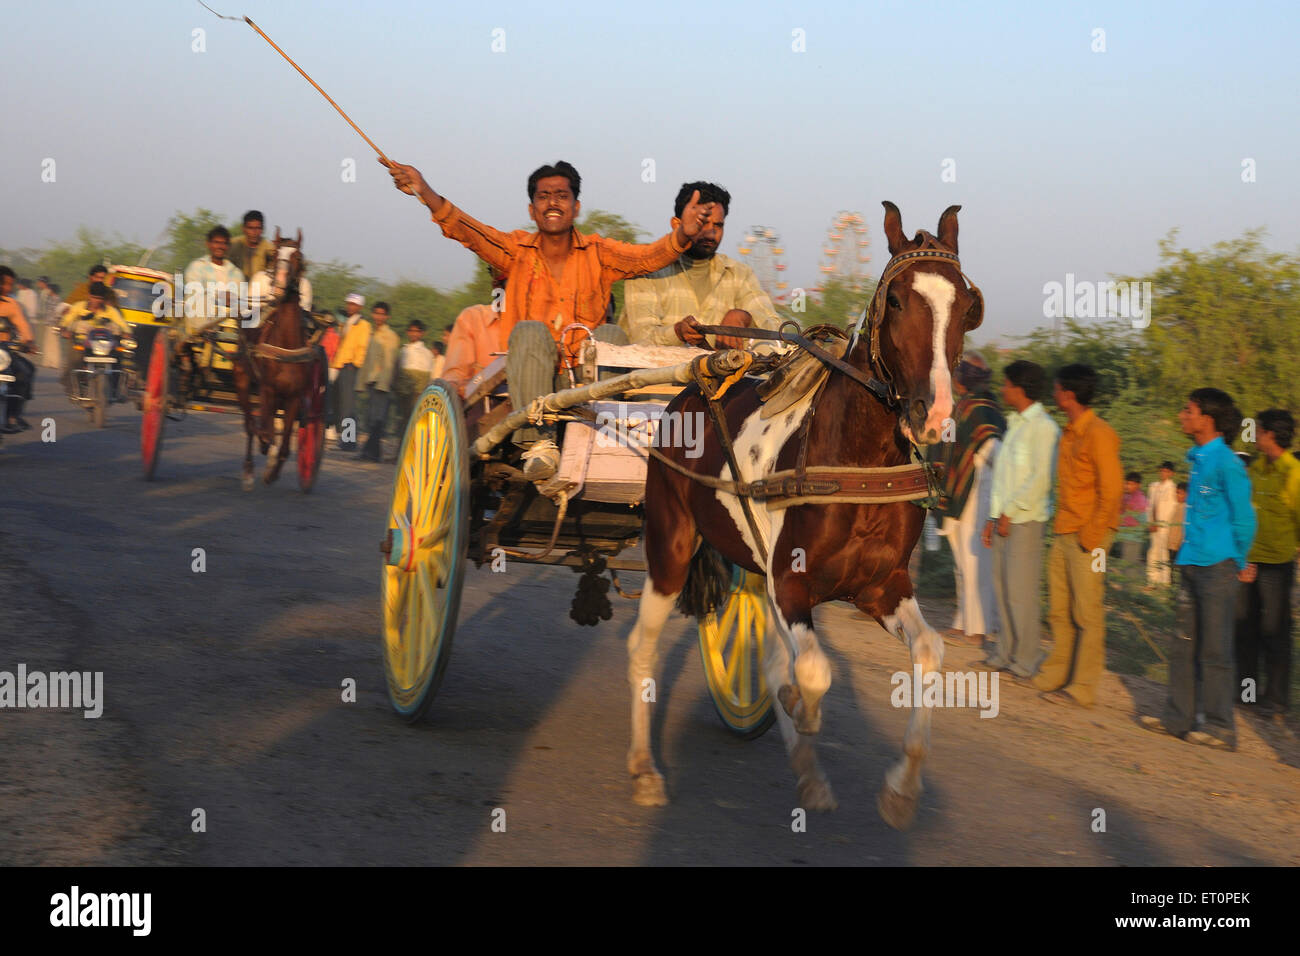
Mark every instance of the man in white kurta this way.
pixel 1162 504
pixel 968 489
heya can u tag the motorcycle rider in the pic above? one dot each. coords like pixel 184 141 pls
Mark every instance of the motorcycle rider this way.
pixel 15 329
pixel 94 312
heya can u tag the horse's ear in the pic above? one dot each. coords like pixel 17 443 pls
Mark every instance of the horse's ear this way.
pixel 894 228
pixel 975 314
pixel 948 227
pixel 277 235
pixel 300 236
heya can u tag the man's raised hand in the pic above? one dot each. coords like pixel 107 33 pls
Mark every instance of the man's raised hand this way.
pixel 694 217
pixel 408 180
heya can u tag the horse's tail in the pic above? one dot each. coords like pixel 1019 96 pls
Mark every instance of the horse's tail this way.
pixel 708 579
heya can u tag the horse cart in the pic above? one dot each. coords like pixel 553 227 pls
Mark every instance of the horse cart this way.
pixel 170 391
pixel 460 495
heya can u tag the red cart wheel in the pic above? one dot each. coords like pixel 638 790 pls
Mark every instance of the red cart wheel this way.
pixel 155 404
pixel 311 435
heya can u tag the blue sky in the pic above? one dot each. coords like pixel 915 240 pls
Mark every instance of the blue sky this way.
pixel 1066 160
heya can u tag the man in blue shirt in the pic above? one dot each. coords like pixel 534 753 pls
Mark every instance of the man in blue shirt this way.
pixel 1218 531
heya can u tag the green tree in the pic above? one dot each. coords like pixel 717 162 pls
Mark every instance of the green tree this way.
pixel 186 239
pixel 1225 317
pixel 332 280
pixel 66 263
pixel 839 303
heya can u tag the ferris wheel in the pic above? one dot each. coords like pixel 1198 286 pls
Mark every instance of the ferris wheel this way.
pixel 845 253
pixel 761 250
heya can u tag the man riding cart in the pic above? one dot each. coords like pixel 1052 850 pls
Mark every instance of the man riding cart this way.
pixel 558 281
pixel 703 287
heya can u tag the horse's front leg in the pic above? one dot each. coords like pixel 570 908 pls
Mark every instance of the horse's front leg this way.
pixel 242 387
pixel 902 789
pixel 276 462
pixel 670 541
pixel 799 715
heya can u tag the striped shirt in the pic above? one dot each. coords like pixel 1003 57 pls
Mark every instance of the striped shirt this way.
pixel 654 304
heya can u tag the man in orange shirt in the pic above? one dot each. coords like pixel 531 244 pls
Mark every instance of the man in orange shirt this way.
pixel 479 334
pixel 555 278
pixel 1089 487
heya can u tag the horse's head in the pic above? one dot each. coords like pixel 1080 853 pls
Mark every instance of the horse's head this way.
pixel 916 322
pixel 287 263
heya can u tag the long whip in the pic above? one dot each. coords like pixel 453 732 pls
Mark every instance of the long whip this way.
pixel 262 34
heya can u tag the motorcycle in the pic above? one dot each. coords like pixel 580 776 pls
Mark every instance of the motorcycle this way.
pixel 101 380
pixel 7 380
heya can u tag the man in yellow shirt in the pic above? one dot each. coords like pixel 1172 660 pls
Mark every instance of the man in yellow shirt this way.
pixel 1265 626
pixel 94 312
pixel 1089 489
pixel 347 360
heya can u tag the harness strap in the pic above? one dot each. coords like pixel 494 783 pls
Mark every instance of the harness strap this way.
pixel 711 395
pixel 870 382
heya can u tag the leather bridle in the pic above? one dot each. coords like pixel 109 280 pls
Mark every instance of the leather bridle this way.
pixel 929 250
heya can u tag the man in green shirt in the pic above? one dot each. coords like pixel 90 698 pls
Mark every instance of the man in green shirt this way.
pixel 1264 621
pixel 376 379
pixel 250 252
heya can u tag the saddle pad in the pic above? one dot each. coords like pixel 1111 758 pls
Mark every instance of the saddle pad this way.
pixel 795 378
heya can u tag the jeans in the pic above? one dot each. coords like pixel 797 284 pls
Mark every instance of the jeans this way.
pixel 345 388
pixel 1264 625
pixel 1203 638
pixel 376 418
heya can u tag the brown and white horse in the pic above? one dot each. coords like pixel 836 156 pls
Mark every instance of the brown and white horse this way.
pixel 850 552
pixel 282 382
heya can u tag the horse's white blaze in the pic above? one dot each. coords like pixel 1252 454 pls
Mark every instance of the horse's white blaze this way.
pixel 757 445
pixel 939 293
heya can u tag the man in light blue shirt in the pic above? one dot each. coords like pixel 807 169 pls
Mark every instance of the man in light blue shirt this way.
pixel 1217 534
pixel 1022 488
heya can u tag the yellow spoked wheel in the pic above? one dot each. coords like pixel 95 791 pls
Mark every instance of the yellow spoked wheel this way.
pixel 731 643
pixel 426 542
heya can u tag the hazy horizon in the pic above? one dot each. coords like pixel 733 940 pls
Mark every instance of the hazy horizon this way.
pixel 1067 161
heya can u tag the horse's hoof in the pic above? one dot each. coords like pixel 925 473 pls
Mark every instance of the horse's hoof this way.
pixel 815 794
pixel 788 695
pixel 895 809
pixel 269 478
pixel 648 790
pixel 264 446
pixel 808 723
pixel 247 482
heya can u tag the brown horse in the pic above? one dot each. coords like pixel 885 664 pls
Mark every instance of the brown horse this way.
pixel 906 344
pixel 273 359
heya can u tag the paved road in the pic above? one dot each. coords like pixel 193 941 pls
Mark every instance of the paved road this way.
pixel 223 692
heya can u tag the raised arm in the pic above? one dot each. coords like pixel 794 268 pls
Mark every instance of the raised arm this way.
pixel 493 246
